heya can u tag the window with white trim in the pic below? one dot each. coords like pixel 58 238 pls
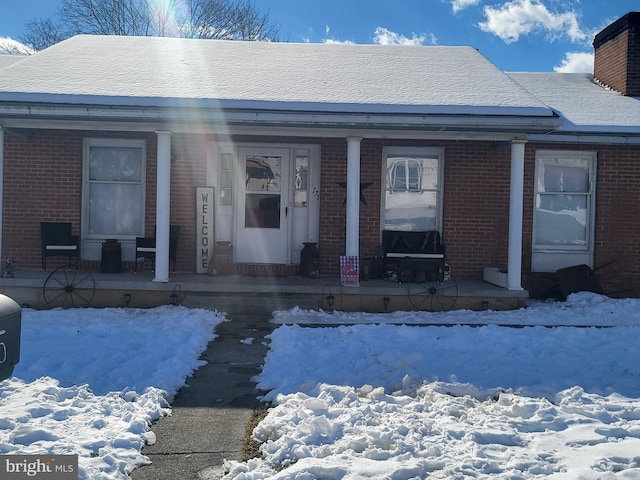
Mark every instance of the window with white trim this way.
pixel 114 188
pixel 413 188
pixel 563 216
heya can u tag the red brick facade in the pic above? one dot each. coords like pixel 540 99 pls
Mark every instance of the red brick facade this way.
pixel 43 181
pixel 617 55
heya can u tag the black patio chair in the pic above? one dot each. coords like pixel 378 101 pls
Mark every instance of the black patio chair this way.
pixel 58 241
pixel 146 248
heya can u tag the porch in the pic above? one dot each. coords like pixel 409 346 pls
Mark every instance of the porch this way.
pixel 138 290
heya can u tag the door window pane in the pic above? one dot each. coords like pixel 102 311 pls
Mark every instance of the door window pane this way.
pixel 263 173
pixel 262 200
pixel 262 211
pixel 226 179
pixel 301 181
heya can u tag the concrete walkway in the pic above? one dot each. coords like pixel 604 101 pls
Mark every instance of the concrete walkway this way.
pixel 209 416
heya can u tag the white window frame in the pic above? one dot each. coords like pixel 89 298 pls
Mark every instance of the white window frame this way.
pixel 548 257
pixel 92 243
pixel 410 153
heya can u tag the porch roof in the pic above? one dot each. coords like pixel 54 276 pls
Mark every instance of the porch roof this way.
pixel 353 79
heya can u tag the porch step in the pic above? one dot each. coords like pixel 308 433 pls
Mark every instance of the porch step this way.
pixel 251 304
pixel 265 270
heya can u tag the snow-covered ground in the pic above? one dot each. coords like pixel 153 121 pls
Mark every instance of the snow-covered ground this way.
pixel 91 382
pixel 365 398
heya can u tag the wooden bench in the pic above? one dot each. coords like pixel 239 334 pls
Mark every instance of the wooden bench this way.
pixel 413 256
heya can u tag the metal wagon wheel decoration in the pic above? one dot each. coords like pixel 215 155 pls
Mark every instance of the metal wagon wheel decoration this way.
pixel 433 296
pixel 68 289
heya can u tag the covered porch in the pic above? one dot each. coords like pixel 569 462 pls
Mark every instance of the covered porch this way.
pixel 43 290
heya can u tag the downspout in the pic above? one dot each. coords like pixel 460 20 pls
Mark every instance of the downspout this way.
pixel 353 197
pixel 514 262
pixel 163 205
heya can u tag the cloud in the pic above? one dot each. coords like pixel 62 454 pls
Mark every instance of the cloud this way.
pixel 521 17
pixel 333 40
pixel 327 29
pixel 13 47
pixel 458 5
pixel 384 36
pixel 576 62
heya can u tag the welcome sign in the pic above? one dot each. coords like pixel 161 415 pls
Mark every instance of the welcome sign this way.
pixel 204 228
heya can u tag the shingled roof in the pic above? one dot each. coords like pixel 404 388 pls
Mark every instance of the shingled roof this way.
pixel 151 71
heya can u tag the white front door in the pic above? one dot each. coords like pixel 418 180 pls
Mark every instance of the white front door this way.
pixel 262 220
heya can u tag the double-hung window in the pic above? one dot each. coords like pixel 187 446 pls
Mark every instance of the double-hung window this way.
pixel 413 189
pixel 114 188
pixel 563 209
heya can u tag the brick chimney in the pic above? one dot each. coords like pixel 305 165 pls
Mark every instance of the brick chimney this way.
pixel 617 55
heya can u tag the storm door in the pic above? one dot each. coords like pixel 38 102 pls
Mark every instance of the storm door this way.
pixel 262 219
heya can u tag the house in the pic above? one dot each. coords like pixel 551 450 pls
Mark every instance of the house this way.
pixel 268 146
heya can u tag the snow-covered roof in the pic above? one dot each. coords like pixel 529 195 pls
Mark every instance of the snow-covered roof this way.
pixel 149 71
pixel 6 60
pixel 584 106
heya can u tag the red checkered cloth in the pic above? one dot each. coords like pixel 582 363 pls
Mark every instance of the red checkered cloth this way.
pixel 350 271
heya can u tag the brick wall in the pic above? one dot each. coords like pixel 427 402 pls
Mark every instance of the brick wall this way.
pixel 331 242
pixel 617 234
pixel 43 182
pixel 188 170
pixel 617 55
pixel 476 207
pixel 617 230
pixel 610 63
pixel 476 202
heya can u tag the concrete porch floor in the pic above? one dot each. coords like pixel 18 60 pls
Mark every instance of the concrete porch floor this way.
pixel 28 288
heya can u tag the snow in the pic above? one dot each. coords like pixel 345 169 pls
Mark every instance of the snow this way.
pixel 91 381
pixel 460 394
pixel 285 76
pixel 584 106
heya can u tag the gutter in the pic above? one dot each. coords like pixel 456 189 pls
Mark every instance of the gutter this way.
pixel 46 116
pixel 587 138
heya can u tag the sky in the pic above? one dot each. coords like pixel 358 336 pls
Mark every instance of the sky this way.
pixel 458 394
pixel 516 35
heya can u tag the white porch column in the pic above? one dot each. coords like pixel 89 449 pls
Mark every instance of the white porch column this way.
pixel 163 203
pixel 353 196
pixel 514 266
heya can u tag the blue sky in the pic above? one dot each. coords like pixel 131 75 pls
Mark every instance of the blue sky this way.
pixel 516 35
